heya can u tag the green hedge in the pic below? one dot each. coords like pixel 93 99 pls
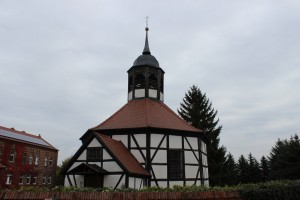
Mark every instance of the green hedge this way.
pixel 273 190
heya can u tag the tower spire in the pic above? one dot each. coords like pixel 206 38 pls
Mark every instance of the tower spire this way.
pixel 146 50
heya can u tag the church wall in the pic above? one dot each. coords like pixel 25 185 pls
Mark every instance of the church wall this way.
pixel 161 171
pixel 136 183
pixel 94 143
pixel 140 138
pixel 191 171
pixel 190 157
pixel 82 155
pixel 136 153
pixel 112 180
pixel 156 139
pixel 122 138
pixel 160 157
pixel 175 142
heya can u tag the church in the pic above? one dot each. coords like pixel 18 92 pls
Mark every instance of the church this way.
pixel 144 143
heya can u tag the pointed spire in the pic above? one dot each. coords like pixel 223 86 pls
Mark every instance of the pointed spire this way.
pixel 146 48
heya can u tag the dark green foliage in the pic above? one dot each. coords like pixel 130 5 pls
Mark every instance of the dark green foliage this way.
pixel 264 168
pixel 229 171
pixel 242 170
pixel 253 172
pixel 197 110
pixel 59 180
pixel 285 159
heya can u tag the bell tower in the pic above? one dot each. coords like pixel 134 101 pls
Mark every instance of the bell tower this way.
pixel 145 77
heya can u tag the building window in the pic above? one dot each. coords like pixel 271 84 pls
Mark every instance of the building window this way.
pixel 12 156
pixel 175 164
pixel 50 161
pixel 44 178
pixel 28 178
pixel 21 181
pixel 34 182
pixel 49 179
pixel 152 82
pixel 94 154
pixel 8 179
pixel 139 81
pixel 46 161
pixel 30 158
pixel 24 158
pixel 37 159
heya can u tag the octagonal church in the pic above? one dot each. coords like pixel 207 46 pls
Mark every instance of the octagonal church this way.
pixel 144 143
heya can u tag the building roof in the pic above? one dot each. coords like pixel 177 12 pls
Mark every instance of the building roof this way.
pixel 12 134
pixel 85 168
pixel 143 113
pixel 122 155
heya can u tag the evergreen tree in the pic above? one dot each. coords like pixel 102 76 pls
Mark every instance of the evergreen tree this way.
pixel 197 110
pixel 285 159
pixel 264 168
pixel 253 172
pixel 229 171
pixel 242 170
pixel 59 180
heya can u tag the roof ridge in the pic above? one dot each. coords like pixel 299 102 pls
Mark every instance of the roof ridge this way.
pixel 171 111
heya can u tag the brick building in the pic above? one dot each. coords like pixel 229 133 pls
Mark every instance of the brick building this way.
pixel 26 160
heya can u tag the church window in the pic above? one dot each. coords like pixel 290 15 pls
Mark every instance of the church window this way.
pixel 94 154
pixel 175 164
pixel 152 82
pixel 161 85
pixel 139 81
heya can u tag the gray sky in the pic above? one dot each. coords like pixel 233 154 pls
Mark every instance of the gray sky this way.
pixel 63 64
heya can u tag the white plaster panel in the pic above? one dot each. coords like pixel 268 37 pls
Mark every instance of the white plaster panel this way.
pixel 162 184
pixel 136 153
pixel 191 171
pixel 190 157
pixel 94 143
pixel 106 155
pixel 152 93
pixel 141 140
pixel 79 179
pixel 82 155
pixel 122 138
pixel 160 157
pixel 130 96
pixel 203 147
pixel 206 183
pixel 193 142
pixel 155 140
pixel 190 182
pixel 175 142
pixel 139 93
pixel 161 96
pixel 172 183
pixel 111 166
pixel 112 180
pixel 75 164
pixel 136 183
pixel 204 159
pixel 161 171
pixel 205 173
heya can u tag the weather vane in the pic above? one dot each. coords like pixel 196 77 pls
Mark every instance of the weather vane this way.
pixel 147 21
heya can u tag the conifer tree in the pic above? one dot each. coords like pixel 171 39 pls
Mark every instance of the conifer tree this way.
pixel 197 110
pixel 264 168
pixel 242 169
pixel 253 172
pixel 229 171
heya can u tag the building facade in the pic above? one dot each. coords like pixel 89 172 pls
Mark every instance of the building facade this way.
pixel 26 160
pixel 144 143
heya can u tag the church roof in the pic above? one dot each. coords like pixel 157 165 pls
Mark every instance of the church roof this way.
pixel 144 113
pixel 122 155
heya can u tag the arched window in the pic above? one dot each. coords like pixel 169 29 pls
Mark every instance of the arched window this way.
pixel 152 82
pixel 162 85
pixel 139 81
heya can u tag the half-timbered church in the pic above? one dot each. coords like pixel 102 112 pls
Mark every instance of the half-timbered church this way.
pixel 144 143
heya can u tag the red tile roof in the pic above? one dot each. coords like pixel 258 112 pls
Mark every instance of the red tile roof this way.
pixel 141 113
pixel 11 133
pixel 123 155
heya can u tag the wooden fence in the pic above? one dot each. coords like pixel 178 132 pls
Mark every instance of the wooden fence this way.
pixel 209 195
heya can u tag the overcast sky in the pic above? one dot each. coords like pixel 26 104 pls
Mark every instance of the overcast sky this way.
pixel 63 64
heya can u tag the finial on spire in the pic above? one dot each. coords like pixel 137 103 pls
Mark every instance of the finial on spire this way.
pixel 146 48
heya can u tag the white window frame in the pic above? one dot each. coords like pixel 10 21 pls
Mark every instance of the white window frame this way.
pixel 8 179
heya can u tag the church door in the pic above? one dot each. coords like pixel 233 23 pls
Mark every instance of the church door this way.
pixel 94 181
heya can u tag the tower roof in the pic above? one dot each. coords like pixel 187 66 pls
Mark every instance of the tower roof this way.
pixel 146 58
